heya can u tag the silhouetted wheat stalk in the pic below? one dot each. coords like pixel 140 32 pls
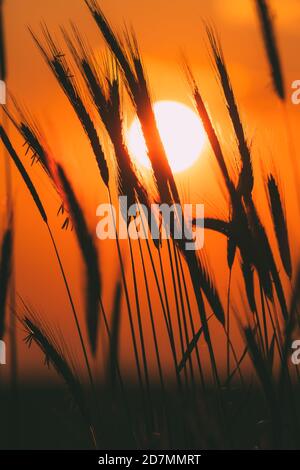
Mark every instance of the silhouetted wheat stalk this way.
pixel 90 255
pixel 56 61
pixel 56 356
pixel 267 337
pixel 273 56
pixel 128 57
pixel 40 207
pixel 270 42
pixel 245 229
pixel 58 64
pixel 10 221
pixel 280 224
pixel 5 273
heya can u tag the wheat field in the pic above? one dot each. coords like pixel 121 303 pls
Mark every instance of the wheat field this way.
pixel 163 359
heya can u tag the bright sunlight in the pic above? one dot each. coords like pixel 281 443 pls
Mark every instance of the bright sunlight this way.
pixel 181 132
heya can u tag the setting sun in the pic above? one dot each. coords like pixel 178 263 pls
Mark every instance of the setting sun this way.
pixel 149 239
pixel 181 132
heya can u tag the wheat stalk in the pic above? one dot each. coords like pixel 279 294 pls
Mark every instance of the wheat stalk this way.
pixel 5 274
pixel 90 256
pixel 56 355
pixel 269 36
pixel 280 223
pixel 59 66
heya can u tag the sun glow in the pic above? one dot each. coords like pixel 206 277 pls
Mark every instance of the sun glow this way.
pixel 181 132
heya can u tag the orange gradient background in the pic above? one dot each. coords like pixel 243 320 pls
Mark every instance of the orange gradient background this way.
pixel 166 32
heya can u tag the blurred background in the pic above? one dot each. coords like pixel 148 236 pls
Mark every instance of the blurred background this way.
pixel 167 32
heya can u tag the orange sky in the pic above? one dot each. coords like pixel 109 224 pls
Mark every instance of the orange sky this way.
pixel 165 30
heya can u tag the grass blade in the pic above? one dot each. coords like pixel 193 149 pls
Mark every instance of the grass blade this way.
pixel 280 224
pixel 90 256
pixel 23 173
pixel 115 334
pixel 5 272
pixel 270 42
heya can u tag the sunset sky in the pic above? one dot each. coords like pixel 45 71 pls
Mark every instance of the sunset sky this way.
pixel 167 32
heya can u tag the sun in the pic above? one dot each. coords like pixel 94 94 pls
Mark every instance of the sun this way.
pixel 181 132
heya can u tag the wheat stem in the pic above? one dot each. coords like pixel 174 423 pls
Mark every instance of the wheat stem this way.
pixel 72 306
